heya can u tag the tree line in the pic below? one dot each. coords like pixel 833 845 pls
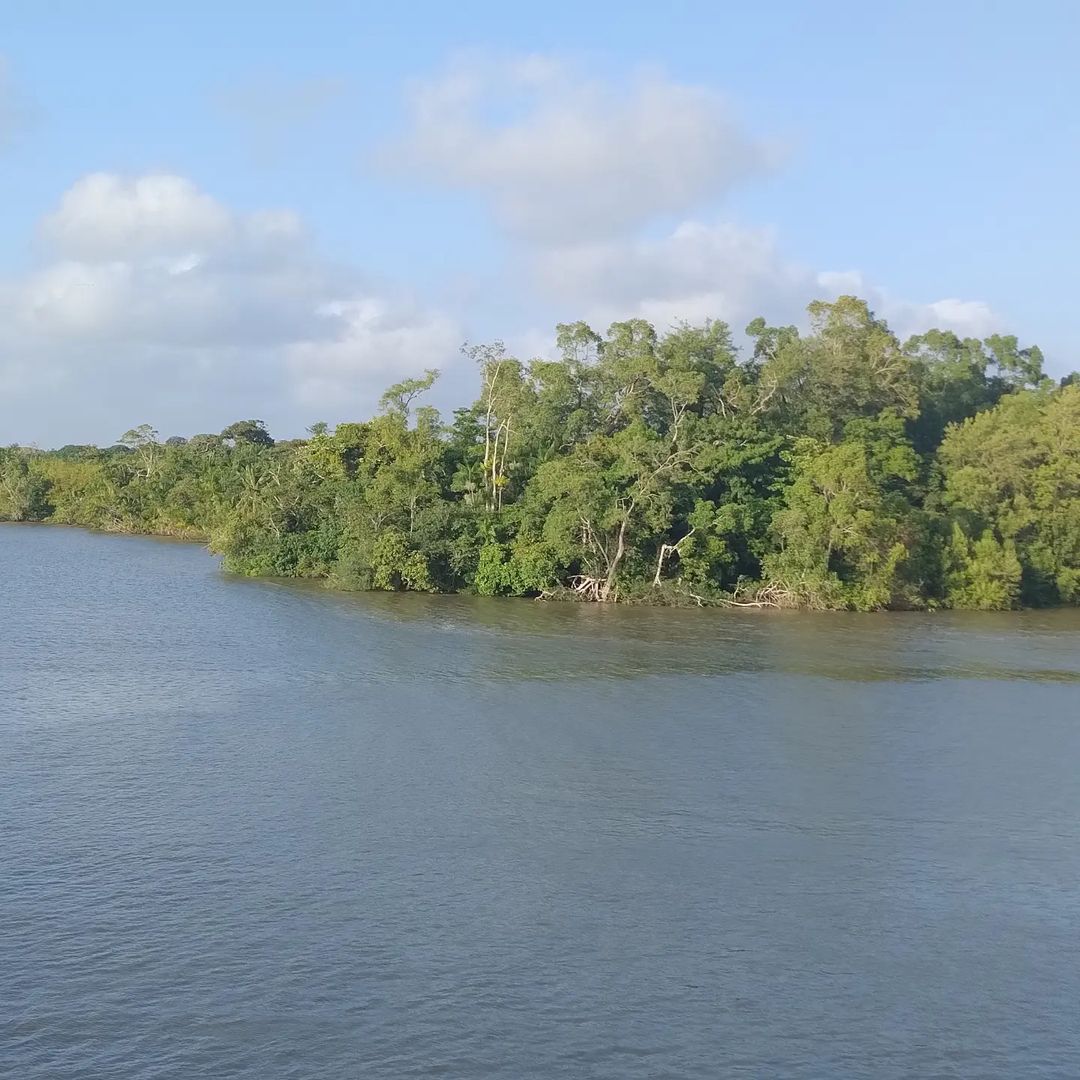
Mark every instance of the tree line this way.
pixel 837 468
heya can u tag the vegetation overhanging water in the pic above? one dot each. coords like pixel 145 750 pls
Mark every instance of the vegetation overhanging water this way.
pixel 838 468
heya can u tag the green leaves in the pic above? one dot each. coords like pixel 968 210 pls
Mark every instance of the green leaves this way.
pixel 851 366
pixel 982 574
pixel 396 564
pixel 24 492
pixel 247 431
pixel 848 525
pixel 828 468
pixel 1012 478
pixel 398 399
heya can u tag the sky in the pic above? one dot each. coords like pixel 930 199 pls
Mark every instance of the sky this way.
pixel 270 210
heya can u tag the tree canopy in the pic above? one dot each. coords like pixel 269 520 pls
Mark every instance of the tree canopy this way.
pixel 836 468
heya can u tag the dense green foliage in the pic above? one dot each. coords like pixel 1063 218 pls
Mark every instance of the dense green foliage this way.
pixel 834 469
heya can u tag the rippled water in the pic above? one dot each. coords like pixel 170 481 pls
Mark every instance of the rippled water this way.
pixel 256 830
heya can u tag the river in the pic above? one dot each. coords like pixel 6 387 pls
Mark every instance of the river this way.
pixel 253 829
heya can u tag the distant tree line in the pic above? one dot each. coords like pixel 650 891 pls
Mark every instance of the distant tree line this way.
pixel 834 469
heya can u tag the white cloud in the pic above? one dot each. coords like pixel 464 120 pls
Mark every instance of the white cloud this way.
pixel 153 259
pixel 580 174
pixel 561 155
pixel 695 272
pixel 966 318
pixel 722 271
pixel 153 280
pixel 380 340
pixel 105 216
pixel 152 295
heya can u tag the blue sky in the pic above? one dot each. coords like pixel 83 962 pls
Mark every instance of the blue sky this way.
pixel 214 211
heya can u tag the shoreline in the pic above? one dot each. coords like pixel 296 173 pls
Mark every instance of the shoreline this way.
pixel 326 584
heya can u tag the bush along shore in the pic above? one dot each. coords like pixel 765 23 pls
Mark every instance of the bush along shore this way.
pixel 833 469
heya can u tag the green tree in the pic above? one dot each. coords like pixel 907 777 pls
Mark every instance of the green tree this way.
pixel 848 527
pixel 831 468
pixel 252 432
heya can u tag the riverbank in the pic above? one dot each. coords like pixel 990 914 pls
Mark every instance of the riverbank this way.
pixel 646 595
pixel 673 501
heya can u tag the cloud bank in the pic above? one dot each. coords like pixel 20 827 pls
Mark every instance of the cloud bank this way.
pixel 721 270
pixel 561 156
pixel 153 299
pixel 584 178
pixel 150 284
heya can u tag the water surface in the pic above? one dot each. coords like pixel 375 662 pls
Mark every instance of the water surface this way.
pixel 259 830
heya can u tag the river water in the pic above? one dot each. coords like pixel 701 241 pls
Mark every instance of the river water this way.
pixel 260 830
